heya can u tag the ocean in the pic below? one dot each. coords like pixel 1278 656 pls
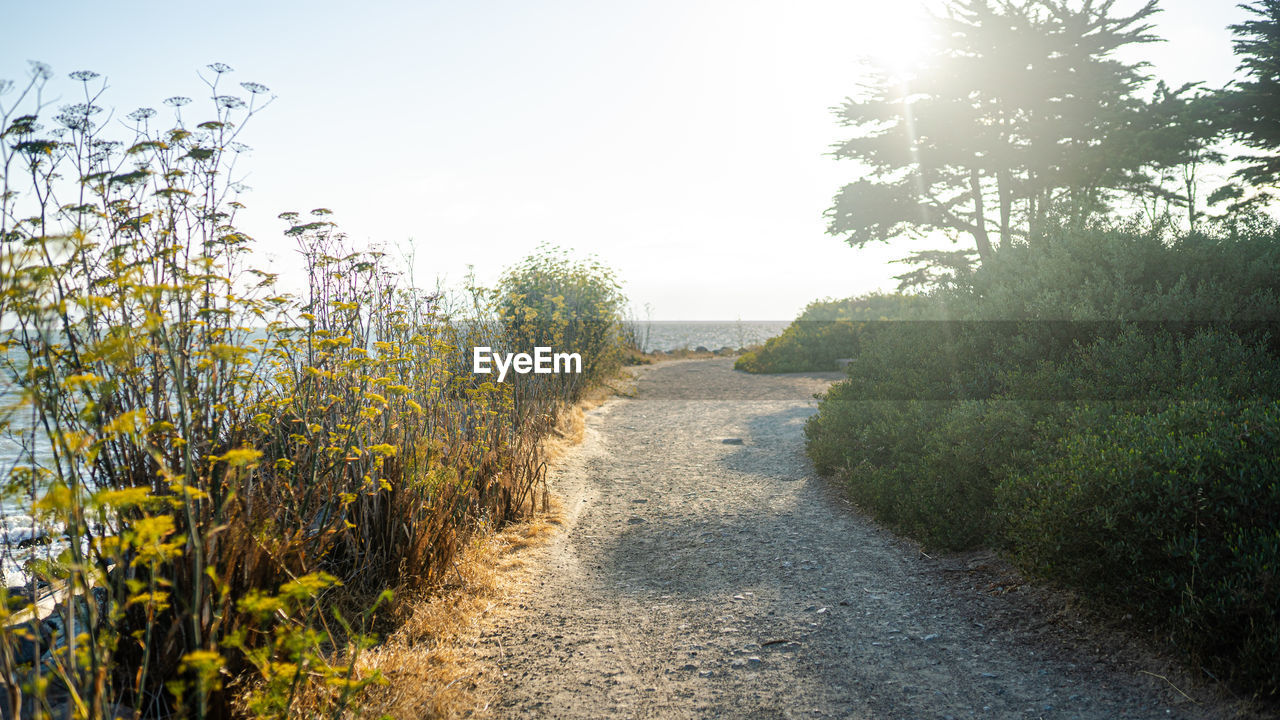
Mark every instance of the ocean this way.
pixel 668 335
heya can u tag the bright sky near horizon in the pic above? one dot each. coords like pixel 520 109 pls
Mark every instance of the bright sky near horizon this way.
pixel 681 142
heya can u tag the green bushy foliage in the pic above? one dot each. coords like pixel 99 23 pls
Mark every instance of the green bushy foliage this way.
pixel 925 467
pixel 1123 272
pixel 826 331
pixel 1175 514
pixel 802 347
pixel 1092 401
pixel 550 299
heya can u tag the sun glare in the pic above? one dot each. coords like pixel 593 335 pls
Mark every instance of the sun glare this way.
pixel 895 35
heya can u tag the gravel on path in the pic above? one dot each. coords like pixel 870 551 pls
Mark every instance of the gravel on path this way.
pixel 705 571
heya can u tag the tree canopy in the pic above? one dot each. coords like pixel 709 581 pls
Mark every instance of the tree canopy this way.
pixel 1253 103
pixel 1019 113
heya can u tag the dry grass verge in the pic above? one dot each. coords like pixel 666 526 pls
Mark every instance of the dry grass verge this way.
pixel 428 661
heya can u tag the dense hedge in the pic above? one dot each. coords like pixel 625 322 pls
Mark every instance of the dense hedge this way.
pixel 1176 514
pixel 1102 404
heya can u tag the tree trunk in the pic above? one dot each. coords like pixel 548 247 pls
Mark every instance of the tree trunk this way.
pixel 1189 181
pixel 1032 216
pixel 979 218
pixel 1006 207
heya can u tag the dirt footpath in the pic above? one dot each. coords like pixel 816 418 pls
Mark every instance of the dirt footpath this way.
pixel 707 572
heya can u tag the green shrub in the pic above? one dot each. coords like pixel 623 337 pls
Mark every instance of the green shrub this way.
pixel 826 331
pixel 808 346
pixel 550 299
pixel 1175 514
pixel 927 468
pixel 1147 364
pixel 1102 404
pixel 1115 273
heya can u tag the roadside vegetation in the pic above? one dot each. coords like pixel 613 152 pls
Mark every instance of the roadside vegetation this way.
pixel 827 331
pixel 237 484
pixel 1094 387
pixel 1067 415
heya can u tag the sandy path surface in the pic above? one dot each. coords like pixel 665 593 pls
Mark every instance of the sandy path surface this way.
pixel 699 578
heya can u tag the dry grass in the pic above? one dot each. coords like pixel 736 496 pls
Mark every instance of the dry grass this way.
pixel 572 423
pixel 430 662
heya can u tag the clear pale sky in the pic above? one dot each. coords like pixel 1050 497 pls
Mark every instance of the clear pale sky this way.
pixel 681 142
